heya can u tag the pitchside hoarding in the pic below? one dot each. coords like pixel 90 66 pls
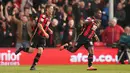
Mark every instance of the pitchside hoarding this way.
pixel 103 55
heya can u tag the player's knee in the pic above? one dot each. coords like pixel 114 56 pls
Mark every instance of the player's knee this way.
pixel 74 50
pixel 30 50
pixel 40 50
pixel 91 50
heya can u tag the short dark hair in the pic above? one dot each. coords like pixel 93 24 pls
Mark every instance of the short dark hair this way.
pixel 96 10
pixel 48 6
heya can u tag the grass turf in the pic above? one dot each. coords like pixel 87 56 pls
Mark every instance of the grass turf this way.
pixel 66 69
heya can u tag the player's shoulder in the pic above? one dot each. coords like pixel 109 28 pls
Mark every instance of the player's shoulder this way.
pixel 43 15
pixel 89 18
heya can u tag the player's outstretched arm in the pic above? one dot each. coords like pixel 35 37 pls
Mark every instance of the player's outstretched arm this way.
pixel 96 37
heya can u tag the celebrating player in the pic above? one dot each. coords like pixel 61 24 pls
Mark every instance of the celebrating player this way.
pixel 40 35
pixel 85 38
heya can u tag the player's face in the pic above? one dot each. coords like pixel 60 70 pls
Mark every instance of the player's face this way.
pixel 50 10
pixel 99 14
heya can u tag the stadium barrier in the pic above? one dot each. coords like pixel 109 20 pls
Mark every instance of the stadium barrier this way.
pixel 53 56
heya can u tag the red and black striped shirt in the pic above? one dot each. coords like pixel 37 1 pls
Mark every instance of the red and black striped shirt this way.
pixel 43 20
pixel 89 29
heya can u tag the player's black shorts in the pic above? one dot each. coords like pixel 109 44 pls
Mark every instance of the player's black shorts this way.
pixel 82 40
pixel 38 41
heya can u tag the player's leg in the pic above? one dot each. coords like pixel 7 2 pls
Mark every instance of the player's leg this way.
pixel 18 46
pixel 28 50
pixel 90 56
pixel 74 48
pixel 25 47
pixel 90 48
pixel 71 48
pixel 36 59
pixel 40 45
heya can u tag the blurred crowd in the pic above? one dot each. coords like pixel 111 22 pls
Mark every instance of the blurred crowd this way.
pixel 67 21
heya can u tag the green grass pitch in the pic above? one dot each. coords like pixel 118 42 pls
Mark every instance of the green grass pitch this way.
pixel 66 69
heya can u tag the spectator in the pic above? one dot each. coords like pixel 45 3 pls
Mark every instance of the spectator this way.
pixel 69 13
pixel 124 45
pixel 1 13
pixel 105 16
pixel 69 33
pixel 27 13
pixel 83 12
pixel 39 2
pixel 9 7
pixel 17 3
pixel 60 3
pixel 112 33
pixel 125 37
pixel 120 14
pixel 8 30
pixel 123 2
pixel 89 9
pixel 56 33
pixel 24 28
pixel 6 36
pixel 95 5
pixel 80 26
pixel 62 23
pixel 76 13
pixel 127 10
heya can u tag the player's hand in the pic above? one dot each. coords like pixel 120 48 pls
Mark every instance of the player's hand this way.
pixel 1 7
pixel 51 32
pixel 64 24
pixel 46 35
pixel 10 34
pixel 70 43
pixel 96 38
pixel 14 11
